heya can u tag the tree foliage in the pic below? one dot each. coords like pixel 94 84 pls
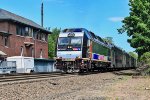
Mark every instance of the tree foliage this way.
pixel 52 41
pixel 137 25
pixel 145 58
pixel 133 55
pixel 108 39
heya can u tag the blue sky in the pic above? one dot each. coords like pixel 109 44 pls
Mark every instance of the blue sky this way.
pixel 103 17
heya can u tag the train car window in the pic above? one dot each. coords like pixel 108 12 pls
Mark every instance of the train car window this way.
pixel 63 41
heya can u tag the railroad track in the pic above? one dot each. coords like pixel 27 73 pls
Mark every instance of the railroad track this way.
pixel 24 77
pixel 21 77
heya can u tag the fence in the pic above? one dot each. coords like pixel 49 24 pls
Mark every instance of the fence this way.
pixel 7 67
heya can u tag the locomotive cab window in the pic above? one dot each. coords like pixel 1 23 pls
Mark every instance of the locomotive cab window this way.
pixel 69 43
pixel 63 41
pixel 76 41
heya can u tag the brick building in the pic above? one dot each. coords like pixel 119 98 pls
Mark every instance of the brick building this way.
pixel 22 37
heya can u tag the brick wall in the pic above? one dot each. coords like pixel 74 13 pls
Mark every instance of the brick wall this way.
pixel 16 42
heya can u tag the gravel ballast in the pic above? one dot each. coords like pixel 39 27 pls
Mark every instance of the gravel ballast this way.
pixel 102 86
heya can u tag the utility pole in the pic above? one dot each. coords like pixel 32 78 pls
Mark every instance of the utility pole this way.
pixel 42 14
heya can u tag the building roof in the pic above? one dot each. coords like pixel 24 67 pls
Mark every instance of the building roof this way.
pixel 6 15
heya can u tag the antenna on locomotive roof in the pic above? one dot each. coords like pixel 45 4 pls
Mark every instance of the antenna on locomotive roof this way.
pixel 42 14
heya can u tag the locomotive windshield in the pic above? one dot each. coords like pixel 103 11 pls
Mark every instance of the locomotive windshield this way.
pixel 75 41
pixel 63 41
pixel 69 43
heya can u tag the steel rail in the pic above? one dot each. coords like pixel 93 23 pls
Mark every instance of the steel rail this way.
pixel 30 77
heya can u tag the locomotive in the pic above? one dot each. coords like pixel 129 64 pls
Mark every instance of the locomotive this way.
pixel 81 50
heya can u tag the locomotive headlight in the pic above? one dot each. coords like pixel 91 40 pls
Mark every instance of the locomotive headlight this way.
pixel 69 47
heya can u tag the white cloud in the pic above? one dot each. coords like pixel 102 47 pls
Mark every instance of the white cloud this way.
pixel 116 19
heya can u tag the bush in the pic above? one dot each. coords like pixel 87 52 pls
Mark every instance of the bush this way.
pixel 145 63
pixel 145 58
pixel 147 72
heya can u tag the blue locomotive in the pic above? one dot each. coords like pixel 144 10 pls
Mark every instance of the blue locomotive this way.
pixel 81 50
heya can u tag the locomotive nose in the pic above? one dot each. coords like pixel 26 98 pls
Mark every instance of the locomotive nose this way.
pixel 69 54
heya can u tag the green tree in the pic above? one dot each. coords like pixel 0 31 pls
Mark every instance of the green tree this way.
pixel 137 25
pixel 133 54
pixel 145 58
pixel 108 39
pixel 52 41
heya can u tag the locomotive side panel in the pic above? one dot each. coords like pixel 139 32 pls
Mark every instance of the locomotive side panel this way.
pixel 85 47
pixel 100 52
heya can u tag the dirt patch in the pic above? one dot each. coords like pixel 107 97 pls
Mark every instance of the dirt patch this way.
pixel 101 86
